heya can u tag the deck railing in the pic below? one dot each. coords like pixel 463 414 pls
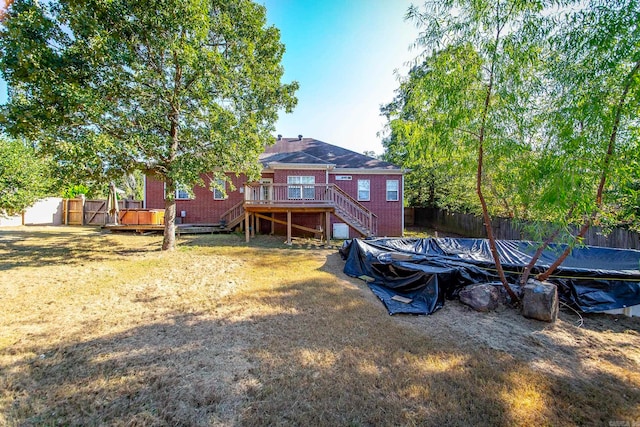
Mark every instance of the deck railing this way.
pixel 354 210
pixel 314 195
pixel 234 215
pixel 288 194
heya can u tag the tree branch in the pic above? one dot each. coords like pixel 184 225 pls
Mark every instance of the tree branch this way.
pixel 603 175
pixel 483 203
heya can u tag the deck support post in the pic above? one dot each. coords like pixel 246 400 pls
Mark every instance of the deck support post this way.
pixel 247 226
pixel 253 226
pixel 288 227
pixel 327 228
pixel 273 225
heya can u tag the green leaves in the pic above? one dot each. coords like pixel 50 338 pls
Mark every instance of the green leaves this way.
pixel 431 124
pixel 175 88
pixel 24 177
pixel 559 75
pixel 114 76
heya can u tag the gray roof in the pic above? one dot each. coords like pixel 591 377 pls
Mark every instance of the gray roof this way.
pixel 312 151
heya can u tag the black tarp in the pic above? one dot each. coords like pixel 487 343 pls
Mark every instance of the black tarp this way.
pixel 428 271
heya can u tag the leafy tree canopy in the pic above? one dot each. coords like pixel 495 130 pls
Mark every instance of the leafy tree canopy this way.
pixel 427 135
pixel 564 81
pixel 24 177
pixel 173 88
pixel 546 93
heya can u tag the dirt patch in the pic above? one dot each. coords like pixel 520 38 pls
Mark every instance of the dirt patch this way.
pixel 562 347
pixel 575 346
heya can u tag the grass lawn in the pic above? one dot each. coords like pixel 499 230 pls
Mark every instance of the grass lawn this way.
pixel 104 329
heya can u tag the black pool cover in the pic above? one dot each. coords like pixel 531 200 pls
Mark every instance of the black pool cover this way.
pixel 416 275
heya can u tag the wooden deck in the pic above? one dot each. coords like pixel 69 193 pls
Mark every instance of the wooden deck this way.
pixel 283 208
pixel 326 199
pixel 180 228
pixel 263 200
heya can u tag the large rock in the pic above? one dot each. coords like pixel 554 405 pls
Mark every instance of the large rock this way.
pixel 505 298
pixel 540 301
pixel 480 297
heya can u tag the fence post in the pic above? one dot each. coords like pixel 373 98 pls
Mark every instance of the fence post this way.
pixel 82 197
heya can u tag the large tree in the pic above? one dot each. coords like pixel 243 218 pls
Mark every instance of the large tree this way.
pixel 425 131
pixel 594 63
pixel 175 88
pixel 547 101
pixel 470 49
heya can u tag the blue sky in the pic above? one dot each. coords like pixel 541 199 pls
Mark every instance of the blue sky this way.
pixel 343 53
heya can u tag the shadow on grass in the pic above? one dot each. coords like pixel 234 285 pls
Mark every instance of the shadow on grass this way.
pixel 260 241
pixel 326 357
pixel 183 371
pixel 58 245
pixel 341 361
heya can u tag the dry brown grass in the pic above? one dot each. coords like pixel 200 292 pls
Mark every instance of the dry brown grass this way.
pixel 106 329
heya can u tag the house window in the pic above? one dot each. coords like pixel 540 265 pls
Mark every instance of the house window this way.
pixel 392 190
pixel 182 192
pixel 219 191
pixel 300 190
pixel 364 190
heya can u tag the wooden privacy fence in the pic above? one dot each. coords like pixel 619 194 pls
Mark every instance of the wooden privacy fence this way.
pixel 92 212
pixel 469 225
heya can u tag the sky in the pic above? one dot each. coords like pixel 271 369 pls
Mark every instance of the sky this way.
pixel 344 54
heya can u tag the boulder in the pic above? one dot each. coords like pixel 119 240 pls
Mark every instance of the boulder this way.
pixel 540 301
pixel 480 297
pixel 505 298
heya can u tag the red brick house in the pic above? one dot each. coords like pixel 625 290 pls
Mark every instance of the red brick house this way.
pixel 307 187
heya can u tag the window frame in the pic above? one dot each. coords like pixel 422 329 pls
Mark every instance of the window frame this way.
pixel 396 190
pixel 181 189
pixel 368 190
pixel 301 187
pixel 223 195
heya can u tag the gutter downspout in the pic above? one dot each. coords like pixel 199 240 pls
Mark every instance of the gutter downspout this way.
pixel 144 193
pixel 327 219
pixel 402 214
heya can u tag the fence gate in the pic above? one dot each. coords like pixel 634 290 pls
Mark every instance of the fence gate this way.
pixel 95 212
pixel 92 212
pixel 74 211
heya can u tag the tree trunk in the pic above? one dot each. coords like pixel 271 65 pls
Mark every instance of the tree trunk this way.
pixel 483 203
pixel 541 248
pixel 169 240
pixel 487 224
pixel 545 275
pixel 481 134
pixel 536 256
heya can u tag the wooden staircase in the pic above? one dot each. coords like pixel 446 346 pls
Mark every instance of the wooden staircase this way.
pixel 233 216
pixel 353 213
